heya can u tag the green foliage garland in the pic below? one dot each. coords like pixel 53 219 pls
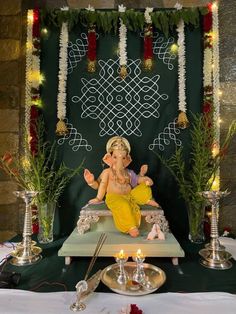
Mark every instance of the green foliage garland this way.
pixel 107 21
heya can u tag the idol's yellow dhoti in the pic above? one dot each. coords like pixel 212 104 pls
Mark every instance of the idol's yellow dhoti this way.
pixel 125 209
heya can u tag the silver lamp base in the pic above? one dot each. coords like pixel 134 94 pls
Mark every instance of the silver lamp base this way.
pixel 215 259
pixel 76 307
pixel 214 255
pixel 22 259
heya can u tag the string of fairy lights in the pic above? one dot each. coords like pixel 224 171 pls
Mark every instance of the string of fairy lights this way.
pixel 33 77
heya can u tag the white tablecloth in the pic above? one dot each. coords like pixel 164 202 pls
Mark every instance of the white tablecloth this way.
pixel 25 302
pixel 230 245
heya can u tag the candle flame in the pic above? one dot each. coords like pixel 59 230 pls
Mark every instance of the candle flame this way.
pixel 121 254
pixel 139 253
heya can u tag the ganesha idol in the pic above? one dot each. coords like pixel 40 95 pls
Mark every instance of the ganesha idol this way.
pixel 123 190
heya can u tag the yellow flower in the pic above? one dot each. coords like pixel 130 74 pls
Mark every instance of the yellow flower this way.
pixel 25 163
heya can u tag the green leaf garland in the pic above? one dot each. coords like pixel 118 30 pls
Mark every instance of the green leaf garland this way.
pixel 107 20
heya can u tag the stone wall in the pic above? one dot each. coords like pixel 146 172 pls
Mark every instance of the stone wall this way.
pixel 12 47
pixel 10 100
pixel 227 12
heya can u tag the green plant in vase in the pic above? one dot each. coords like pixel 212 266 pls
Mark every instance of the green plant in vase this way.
pixel 50 180
pixel 199 172
pixel 39 171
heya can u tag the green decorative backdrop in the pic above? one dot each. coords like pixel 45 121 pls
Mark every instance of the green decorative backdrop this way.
pixel 142 108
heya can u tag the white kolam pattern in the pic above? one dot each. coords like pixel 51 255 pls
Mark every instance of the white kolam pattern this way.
pixel 166 136
pixel 162 48
pixel 74 138
pixel 77 50
pixel 120 104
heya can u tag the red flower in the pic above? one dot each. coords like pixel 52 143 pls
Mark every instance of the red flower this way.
pixel 207 22
pixel 91 45
pixel 148 52
pixel 15 172
pixel 35 227
pixel 228 229
pixel 209 6
pixel 135 310
pixel 7 158
pixel 207 107
pixel 34 113
pixel 223 151
pixel 35 30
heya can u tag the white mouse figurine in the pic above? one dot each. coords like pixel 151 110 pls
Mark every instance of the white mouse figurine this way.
pixel 156 233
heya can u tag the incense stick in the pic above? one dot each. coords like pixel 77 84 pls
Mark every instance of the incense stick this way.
pixel 100 243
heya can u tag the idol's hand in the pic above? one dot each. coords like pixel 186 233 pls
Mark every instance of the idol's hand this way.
pixel 95 201
pixel 88 176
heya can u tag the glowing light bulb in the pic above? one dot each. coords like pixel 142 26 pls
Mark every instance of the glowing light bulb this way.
pixel 215 184
pixel 44 31
pixel 174 48
pixel 29 45
pixel 30 16
pixel 41 78
pixel 214 5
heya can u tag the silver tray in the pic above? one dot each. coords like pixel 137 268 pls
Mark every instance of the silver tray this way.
pixel 155 276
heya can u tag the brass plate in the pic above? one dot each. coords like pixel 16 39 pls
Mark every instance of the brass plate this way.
pixel 155 276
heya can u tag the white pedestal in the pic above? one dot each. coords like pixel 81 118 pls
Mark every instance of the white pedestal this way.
pixel 84 245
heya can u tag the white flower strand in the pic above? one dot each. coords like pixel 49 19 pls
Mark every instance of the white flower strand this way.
pixel 123 39
pixel 178 6
pixel 181 66
pixel 62 75
pixel 123 44
pixel 207 67
pixel 90 8
pixel 29 45
pixel 35 76
pixel 216 80
pixel 147 15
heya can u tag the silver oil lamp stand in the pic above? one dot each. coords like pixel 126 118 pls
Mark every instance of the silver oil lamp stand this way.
pixel 214 255
pixel 26 253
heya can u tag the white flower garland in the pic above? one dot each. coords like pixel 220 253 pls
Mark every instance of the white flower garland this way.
pixel 216 85
pixel 216 80
pixel 147 15
pixel 207 67
pixel 90 8
pixel 181 66
pixel 29 49
pixel 62 75
pixel 123 39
